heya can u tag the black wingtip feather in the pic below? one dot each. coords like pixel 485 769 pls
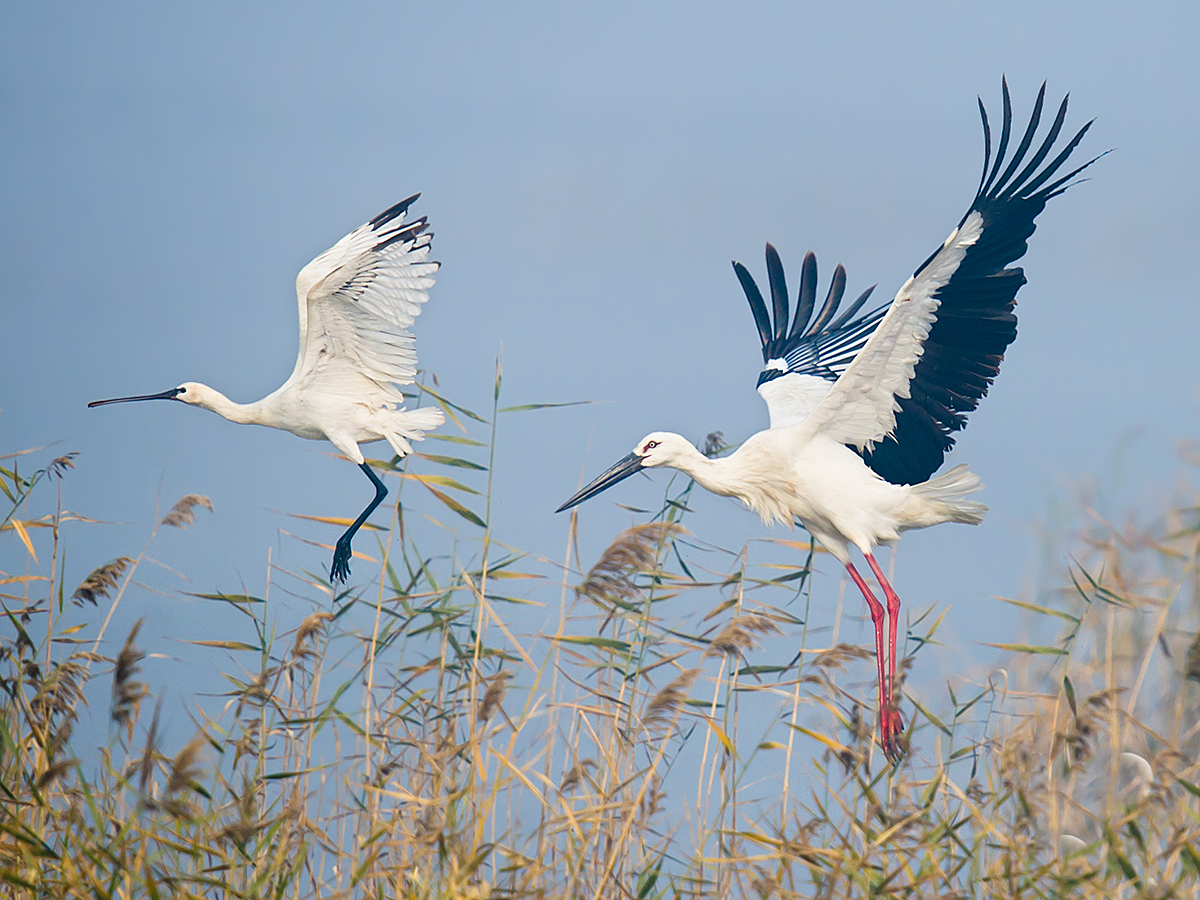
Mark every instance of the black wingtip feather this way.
pixel 823 350
pixel 1052 189
pixel 1005 134
pixel 1026 139
pixel 409 232
pixel 759 308
pixel 1004 184
pixel 779 295
pixel 837 289
pixel 392 212
pixel 808 292
pixel 987 145
pixel 1018 184
pixel 854 308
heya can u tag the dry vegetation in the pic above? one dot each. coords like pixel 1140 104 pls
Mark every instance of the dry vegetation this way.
pixel 407 739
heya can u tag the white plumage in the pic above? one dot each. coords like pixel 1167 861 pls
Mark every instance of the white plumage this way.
pixel 863 410
pixel 357 301
pixel 860 408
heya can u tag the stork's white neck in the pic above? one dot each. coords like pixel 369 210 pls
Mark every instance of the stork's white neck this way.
pixel 746 475
pixel 715 475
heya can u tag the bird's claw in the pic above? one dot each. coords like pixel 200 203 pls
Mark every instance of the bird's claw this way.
pixel 340 569
pixel 891 732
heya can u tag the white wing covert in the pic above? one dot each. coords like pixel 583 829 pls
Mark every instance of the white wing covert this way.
pixel 357 300
pixel 939 347
pixel 860 408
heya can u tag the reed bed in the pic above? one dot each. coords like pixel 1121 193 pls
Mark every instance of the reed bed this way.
pixel 413 737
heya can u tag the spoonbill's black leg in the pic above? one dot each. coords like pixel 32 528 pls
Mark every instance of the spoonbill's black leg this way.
pixel 340 570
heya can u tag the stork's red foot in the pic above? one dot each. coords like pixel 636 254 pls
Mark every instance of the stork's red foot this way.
pixel 891 732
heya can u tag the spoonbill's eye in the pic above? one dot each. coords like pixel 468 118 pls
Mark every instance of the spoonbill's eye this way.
pixel 650 445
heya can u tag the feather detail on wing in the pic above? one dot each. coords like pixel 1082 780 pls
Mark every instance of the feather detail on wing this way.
pixel 357 300
pixel 803 362
pixel 936 351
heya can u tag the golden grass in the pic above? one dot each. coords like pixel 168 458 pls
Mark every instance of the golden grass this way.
pixel 411 740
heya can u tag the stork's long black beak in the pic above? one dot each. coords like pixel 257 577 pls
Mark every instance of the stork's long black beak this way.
pixel 172 394
pixel 622 470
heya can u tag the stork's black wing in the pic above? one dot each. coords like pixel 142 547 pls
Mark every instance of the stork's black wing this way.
pixel 973 321
pixel 802 362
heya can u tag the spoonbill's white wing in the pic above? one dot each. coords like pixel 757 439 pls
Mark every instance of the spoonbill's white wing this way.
pixel 357 300
pixel 801 364
pixel 933 356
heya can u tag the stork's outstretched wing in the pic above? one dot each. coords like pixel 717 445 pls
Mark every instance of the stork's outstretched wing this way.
pixel 357 300
pixel 933 356
pixel 803 362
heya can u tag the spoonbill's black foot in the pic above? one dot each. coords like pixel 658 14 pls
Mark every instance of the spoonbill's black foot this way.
pixel 891 731
pixel 340 569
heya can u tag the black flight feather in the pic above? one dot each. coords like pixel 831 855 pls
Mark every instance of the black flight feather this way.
pixel 837 289
pixel 779 295
pixel 407 233
pixel 757 306
pixel 1005 132
pixel 854 307
pixel 824 349
pixel 975 320
pixel 808 292
pixel 392 212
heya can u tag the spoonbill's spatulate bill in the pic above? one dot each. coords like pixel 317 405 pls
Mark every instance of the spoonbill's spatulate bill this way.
pixel 357 301
pixel 863 410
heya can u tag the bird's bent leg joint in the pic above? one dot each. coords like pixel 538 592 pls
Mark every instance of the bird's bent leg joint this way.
pixel 877 611
pixel 340 569
pixel 893 599
pixel 380 488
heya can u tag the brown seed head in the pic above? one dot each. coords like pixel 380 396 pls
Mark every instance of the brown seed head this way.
pixel 183 513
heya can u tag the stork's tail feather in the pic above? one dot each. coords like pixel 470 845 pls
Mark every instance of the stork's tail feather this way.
pixel 948 492
pixel 410 425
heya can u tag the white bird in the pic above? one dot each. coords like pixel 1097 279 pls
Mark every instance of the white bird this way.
pixel 357 301
pixel 863 410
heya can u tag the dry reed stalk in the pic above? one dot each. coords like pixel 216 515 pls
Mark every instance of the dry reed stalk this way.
pixel 457 809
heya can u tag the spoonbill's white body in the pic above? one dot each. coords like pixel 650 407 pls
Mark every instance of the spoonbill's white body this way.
pixel 357 301
pixel 863 410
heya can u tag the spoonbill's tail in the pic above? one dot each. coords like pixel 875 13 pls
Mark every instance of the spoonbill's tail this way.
pixel 404 425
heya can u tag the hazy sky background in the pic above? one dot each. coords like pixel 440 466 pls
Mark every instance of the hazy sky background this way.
pixel 166 169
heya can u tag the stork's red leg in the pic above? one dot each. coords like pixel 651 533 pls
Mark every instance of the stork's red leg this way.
pixel 886 730
pixel 893 609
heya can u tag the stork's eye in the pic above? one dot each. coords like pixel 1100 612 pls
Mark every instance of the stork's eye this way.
pixel 650 445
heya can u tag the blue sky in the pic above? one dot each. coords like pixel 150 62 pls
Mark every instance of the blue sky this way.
pixel 589 174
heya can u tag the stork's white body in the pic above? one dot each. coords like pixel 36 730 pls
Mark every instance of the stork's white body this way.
pixel 784 475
